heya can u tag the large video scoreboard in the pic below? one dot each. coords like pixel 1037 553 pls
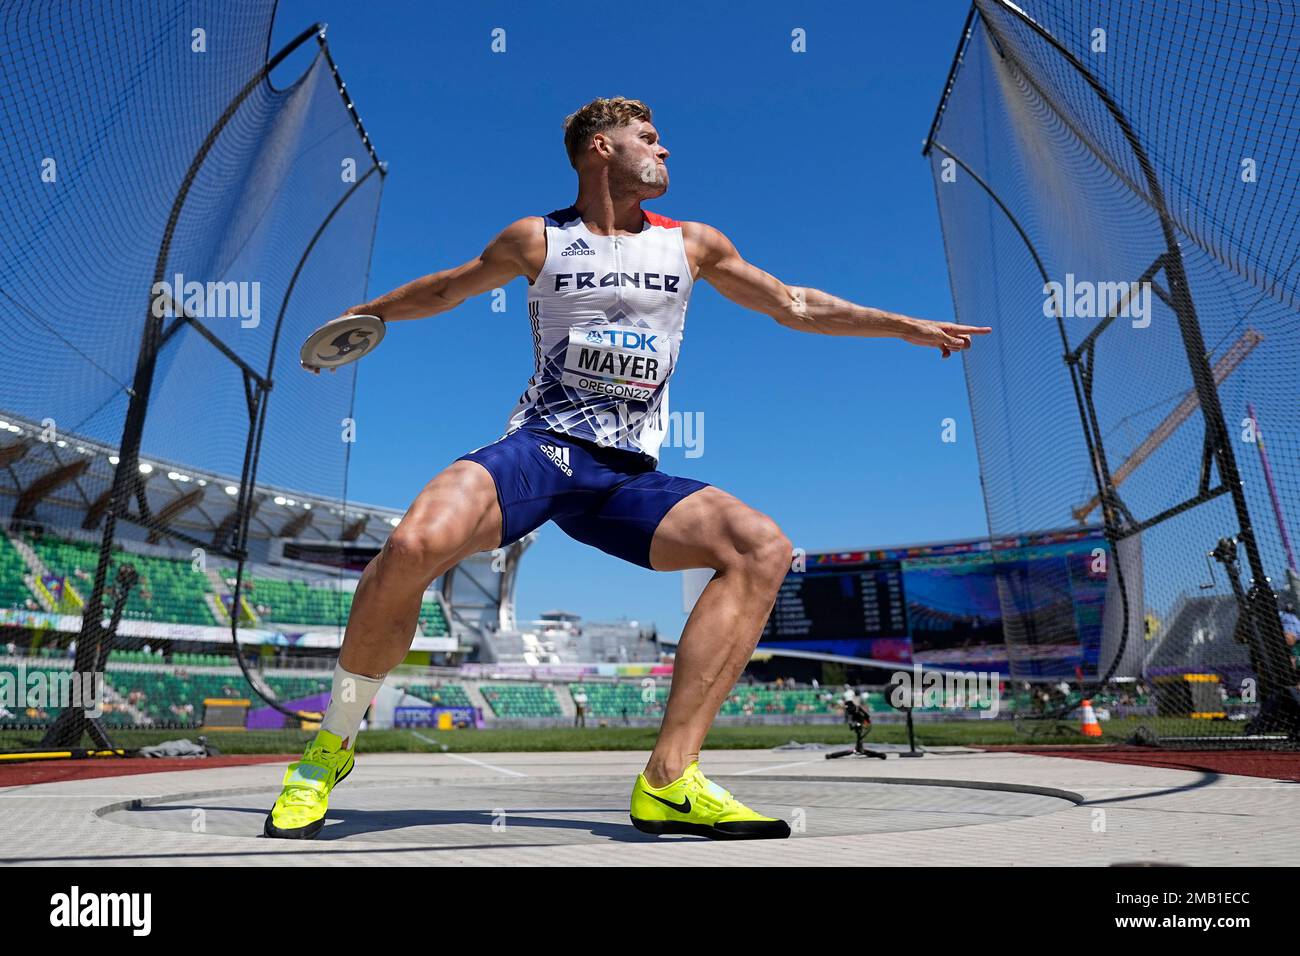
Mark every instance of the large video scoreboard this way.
pixel 826 602
pixel 946 605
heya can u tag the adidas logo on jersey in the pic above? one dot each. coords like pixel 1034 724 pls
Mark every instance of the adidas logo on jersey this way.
pixel 579 248
pixel 558 455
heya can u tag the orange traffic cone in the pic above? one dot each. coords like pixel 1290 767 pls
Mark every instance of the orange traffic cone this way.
pixel 1091 728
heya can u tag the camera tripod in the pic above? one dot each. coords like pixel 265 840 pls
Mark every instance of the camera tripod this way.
pixel 860 722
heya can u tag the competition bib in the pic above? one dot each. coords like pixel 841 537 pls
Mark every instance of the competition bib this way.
pixel 620 362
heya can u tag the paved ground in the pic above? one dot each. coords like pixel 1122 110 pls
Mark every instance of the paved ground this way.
pixel 950 808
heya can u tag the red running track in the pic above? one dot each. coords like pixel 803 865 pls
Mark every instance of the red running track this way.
pixel 1271 764
pixel 57 771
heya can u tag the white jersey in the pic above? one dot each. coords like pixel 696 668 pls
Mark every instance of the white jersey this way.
pixel 607 315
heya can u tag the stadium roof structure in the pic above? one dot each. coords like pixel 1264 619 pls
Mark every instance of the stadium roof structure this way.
pixel 559 615
pixel 55 478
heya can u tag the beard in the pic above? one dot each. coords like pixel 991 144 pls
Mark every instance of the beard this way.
pixel 650 173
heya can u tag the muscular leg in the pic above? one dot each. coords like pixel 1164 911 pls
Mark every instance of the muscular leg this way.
pixel 712 529
pixel 456 515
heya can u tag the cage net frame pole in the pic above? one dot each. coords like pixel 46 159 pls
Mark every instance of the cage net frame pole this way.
pixel 1259 614
pixel 92 650
pixel 257 416
pixel 1279 699
pixel 252 454
pixel 1112 507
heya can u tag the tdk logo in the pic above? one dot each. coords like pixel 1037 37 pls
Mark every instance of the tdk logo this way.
pixel 654 281
pixel 622 338
pixel 579 248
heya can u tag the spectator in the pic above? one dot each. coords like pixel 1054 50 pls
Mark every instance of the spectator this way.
pixel 1291 632
pixel 1290 626
pixel 580 708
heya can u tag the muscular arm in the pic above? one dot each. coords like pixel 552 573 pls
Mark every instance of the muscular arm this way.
pixel 811 310
pixel 506 257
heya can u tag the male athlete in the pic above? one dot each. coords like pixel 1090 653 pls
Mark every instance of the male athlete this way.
pixel 608 288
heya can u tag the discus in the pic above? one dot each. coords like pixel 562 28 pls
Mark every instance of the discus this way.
pixel 341 341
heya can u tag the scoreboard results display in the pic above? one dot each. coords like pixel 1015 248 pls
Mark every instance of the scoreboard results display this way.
pixel 1035 599
pixel 838 600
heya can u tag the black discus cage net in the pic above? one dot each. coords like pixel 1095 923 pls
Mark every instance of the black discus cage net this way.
pixel 176 219
pixel 1119 193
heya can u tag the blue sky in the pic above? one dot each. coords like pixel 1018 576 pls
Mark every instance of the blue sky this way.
pixel 810 162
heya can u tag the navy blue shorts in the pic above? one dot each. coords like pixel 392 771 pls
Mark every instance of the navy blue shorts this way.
pixel 610 499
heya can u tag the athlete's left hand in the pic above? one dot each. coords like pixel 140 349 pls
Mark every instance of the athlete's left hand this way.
pixel 948 337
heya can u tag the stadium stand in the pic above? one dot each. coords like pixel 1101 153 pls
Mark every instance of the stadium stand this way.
pixel 176 695
pixel 26 715
pixel 432 621
pixel 315 603
pixel 522 700
pixel 13 592
pixel 146 688
pixel 618 700
pixel 760 700
pixel 445 695
pixel 297 602
pixel 168 589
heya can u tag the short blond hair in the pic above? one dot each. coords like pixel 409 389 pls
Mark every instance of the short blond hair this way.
pixel 599 115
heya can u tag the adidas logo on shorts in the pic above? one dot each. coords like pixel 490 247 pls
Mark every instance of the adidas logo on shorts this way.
pixel 558 455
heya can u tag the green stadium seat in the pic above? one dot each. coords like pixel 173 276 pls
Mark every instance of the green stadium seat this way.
pixel 169 589
pixel 611 700
pixel 13 592
pixel 522 700
pixel 446 695
pixel 296 602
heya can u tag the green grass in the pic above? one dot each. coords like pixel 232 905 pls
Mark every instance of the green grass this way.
pixel 759 737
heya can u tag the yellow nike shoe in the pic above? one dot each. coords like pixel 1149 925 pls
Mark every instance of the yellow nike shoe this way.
pixel 299 813
pixel 695 804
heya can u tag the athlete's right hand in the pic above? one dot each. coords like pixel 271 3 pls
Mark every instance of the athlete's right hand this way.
pixel 947 337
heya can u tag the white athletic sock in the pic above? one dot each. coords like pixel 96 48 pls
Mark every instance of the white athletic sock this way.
pixel 349 700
